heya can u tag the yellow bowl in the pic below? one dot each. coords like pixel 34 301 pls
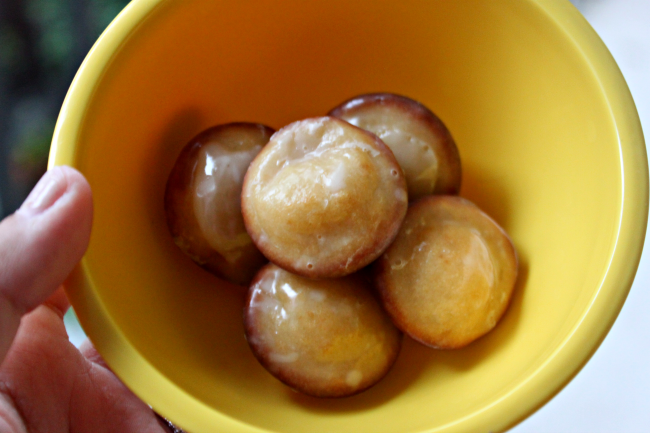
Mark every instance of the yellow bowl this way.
pixel 551 147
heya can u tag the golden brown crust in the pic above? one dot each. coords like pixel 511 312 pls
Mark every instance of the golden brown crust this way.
pixel 358 109
pixel 180 207
pixel 323 210
pixel 449 276
pixel 340 345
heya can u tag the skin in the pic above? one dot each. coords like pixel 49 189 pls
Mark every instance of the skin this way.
pixel 46 383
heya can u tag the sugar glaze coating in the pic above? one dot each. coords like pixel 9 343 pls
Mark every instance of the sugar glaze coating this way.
pixel 448 277
pixel 326 338
pixel 323 198
pixel 420 141
pixel 203 200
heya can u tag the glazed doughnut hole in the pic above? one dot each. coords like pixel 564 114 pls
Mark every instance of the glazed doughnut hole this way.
pixel 202 200
pixel 420 141
pixel 448 277
pixel 323 198
pixel 325 338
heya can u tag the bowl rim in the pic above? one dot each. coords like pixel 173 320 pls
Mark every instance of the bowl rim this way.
pixel 539 387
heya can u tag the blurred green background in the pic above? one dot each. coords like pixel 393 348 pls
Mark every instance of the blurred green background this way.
pixel 42 44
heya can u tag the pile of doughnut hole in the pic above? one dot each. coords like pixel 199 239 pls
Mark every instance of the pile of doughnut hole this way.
pixel 349 231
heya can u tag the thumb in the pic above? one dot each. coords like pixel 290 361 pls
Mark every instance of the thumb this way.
pixel 40 245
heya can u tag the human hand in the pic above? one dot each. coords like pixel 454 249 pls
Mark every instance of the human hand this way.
pixel 46 383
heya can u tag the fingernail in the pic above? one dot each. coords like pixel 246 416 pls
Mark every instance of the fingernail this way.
pixel 46 192
pixel 167 425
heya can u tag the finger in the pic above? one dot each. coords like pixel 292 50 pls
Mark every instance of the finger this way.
pixel 90 353
pixel 58 302
pixel 53 388
pixel 45 238
pixel 41 243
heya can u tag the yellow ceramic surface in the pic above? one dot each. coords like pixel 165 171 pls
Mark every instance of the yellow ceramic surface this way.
pixel 551 147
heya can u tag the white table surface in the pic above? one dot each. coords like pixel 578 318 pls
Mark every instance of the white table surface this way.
pixel 612 393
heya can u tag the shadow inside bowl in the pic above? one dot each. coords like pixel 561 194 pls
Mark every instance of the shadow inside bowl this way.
pixel 490 344
pixel 182 126
pixel 484 189
pixel 415 359
pixel 202 316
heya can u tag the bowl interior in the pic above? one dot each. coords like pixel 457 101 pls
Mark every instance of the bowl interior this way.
pixel 540 154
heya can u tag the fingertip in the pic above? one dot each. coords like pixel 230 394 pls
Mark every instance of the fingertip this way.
pixel 52 190
pixel 69 219
pixel 42 242
pixel 78 187
pixel 75 205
